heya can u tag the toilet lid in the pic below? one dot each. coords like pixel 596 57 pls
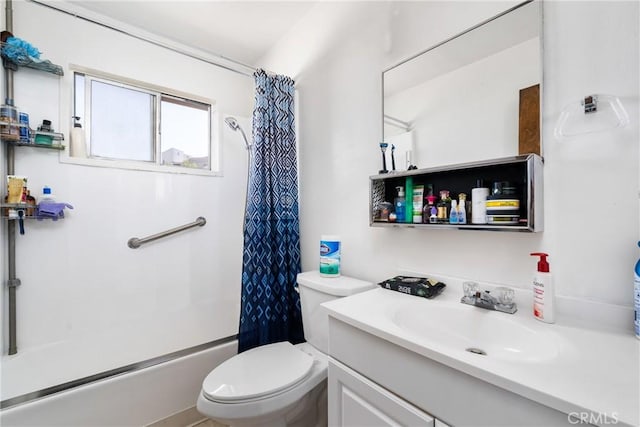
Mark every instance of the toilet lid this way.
pixel 258 372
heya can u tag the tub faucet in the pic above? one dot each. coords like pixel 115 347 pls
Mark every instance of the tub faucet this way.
pixel 484 299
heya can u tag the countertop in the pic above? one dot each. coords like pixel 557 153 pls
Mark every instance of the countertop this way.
pixel 595 371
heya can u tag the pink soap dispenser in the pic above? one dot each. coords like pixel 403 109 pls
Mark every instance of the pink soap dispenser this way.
pixel 543 291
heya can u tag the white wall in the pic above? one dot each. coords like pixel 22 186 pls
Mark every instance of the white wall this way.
pixel 591 183
pixel 87 302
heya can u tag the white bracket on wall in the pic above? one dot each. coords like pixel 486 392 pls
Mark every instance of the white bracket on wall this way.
pixel 594 113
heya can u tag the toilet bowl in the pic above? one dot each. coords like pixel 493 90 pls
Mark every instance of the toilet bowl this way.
pixel 280 384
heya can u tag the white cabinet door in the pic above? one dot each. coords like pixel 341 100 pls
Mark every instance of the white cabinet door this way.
pixel 356 401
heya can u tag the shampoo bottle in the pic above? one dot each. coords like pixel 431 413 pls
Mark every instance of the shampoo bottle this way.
pixel 543 291
pixel 78 146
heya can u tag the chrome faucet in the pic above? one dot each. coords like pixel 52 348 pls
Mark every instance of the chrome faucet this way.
pixel 484 299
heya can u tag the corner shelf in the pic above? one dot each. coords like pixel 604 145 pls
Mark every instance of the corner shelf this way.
pixel 11 65
pixel 24 60
pixel 524 171
pixel 55 136
pixel 53 146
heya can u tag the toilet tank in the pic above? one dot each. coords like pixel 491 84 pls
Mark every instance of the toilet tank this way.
pixel 314 290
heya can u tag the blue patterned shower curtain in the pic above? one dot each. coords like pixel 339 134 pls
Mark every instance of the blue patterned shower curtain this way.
pixel 270 305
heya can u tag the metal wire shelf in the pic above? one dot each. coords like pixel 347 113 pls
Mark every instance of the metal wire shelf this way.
pixel 20 57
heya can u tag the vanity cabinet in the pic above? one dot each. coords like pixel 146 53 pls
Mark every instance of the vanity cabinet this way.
pixel 372 380
pixel 524 173
pixel 356 401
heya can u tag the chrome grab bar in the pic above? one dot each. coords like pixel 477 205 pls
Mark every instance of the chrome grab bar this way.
pixel 136 242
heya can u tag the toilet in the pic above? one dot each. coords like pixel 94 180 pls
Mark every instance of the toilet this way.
pixel 280 384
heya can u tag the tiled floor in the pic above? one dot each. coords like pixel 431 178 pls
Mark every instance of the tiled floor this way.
pixel 188 418
pixel 208 423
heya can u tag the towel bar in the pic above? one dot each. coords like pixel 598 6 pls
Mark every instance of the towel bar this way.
pixel 136 242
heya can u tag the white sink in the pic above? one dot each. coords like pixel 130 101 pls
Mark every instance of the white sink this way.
pixel 486 333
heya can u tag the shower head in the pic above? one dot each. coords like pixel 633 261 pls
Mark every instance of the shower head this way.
pixel 234 125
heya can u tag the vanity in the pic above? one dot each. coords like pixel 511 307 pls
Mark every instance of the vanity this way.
pixel 400 359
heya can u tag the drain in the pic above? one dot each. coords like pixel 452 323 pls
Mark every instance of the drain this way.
pixel 476 351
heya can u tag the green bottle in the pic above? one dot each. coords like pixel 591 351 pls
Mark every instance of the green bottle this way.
pixel 408 196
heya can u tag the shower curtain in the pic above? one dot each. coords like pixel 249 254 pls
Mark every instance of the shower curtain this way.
pixel 270 305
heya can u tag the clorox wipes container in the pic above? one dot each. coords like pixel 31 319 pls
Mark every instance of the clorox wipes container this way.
pixel 330 256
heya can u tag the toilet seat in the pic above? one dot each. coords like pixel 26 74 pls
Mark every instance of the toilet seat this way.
pixel 258 373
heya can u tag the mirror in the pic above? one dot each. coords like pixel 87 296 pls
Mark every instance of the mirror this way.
pixel 461 101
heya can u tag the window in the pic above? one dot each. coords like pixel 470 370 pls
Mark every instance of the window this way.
pixel 143 124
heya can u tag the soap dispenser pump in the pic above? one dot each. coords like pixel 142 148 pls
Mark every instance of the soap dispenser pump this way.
pixel 400 204
pixel 543 291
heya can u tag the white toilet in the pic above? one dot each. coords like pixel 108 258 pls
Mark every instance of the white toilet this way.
pixel 280 384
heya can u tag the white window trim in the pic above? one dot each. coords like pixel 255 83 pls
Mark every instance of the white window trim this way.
pixel 214 149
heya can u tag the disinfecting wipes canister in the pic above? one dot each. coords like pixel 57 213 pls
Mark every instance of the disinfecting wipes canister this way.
pixel 330 256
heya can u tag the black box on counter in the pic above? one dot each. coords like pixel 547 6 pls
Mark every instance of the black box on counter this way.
pixel 418 286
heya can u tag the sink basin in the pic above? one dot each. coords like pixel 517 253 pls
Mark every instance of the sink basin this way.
pixel 484 332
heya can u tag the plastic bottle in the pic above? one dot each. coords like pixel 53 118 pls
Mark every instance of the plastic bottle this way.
pixel 408 213
pixel 543 291
pixel 462 212
pixel 478 208
pixel 428 204
pixel 453 215
pixel 47 196
pixel 329 256
pixel 636 297
pixel 400 205
pixel 418 192
pixel 444 206
pixel 78 147
pixel 9 129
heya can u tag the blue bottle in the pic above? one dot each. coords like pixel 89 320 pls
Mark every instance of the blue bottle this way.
pixel 454 214
pixel 400 204
pixel 636 297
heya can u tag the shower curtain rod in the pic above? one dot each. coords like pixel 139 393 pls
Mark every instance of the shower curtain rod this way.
pixel 60 7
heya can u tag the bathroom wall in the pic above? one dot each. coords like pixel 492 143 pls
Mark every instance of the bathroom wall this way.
pixel 87 302
pixel 591 182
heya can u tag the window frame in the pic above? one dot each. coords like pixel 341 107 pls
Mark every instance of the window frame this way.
pixel 160 93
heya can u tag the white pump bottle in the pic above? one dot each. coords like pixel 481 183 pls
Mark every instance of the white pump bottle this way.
pixel 544 297
pixel 78 145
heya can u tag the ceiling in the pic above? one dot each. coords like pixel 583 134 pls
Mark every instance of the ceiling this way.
pixel 240 30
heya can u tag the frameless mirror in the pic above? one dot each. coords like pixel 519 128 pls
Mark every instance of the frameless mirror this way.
pixel 465 99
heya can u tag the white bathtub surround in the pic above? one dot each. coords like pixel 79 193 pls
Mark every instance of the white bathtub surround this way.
pixel 135 399
pixel 564 372
pixel 90 304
